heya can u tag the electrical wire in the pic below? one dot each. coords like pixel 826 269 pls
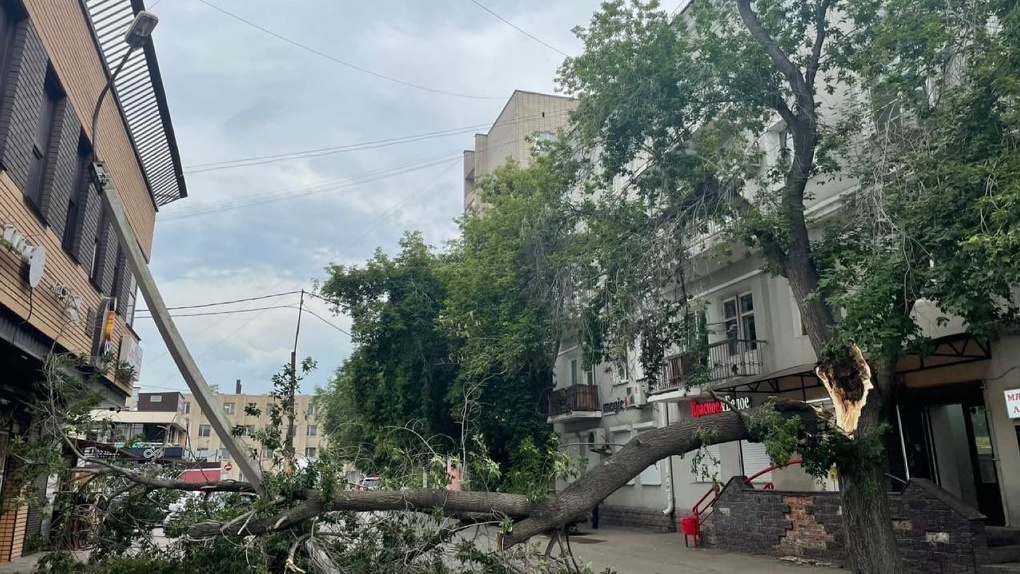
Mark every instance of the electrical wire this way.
pixel 319 152
pixel 231 302
pixel 519 29
pixel 331 150
pixel 345 63
pixel 310 189
pixel 209 313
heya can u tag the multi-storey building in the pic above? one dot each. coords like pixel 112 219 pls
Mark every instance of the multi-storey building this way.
pixel 957 422
pixel 150 420
pixel 64 284
pixel 526 118
pixel 204 443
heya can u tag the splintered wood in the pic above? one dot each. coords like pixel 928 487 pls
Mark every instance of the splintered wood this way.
pixel 848 382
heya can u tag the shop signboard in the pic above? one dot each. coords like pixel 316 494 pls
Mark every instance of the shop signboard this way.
pixel 1013 403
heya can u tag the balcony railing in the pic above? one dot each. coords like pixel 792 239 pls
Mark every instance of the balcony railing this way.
pixel 575 398
pixel 723 360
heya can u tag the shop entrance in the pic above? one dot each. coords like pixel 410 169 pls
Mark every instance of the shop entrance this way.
pixel 943 436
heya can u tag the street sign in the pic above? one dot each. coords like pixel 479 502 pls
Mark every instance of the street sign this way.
pixel 228 467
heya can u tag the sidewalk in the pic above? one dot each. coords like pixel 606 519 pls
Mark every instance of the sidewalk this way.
pixel 26 564
pixel 642 552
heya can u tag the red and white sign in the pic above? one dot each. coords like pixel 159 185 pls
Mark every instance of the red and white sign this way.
pixel 699 410
pixel 1013 403
pixel 201 475
pixel 228 467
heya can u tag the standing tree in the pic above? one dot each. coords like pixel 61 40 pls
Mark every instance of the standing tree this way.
pixel 675 107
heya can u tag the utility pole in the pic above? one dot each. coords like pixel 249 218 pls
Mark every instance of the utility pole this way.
pixel 292 388
pixel 137 35
pixel 206 399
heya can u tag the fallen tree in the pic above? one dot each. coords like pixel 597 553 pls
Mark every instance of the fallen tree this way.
pixel 531 518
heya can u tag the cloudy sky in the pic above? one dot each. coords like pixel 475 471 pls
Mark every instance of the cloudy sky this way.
pixel 238 92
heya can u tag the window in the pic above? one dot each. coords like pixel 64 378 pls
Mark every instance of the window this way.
pixel 102 231
pixel 313 430
pixel 156 399
pixel 8 28
pixel 573 372
pixel 311 452
pixel 225 454
pixel 589 376
pixel 738 318
pixel 250 406
pixel 313 409
pixel 76 203
pixel 204 430
pixel 228 408
pixel 187 407
pixel 52 97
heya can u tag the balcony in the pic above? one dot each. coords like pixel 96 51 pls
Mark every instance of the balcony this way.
pixel 575 402
pixel 723 360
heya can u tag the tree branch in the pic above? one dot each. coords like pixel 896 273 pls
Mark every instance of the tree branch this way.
pixel 780 59
pixel 532 518
pixel 821 30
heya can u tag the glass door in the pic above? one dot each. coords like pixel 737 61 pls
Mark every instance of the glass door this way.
pixel 986 479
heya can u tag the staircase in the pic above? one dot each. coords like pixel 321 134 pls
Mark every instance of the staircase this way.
pixel 1003 551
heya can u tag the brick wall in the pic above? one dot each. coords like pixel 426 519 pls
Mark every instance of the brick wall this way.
pixel 647 518
pixel 64 33
pixel 936 531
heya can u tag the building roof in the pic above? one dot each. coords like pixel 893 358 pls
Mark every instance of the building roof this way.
pixel 140 97
pixel 139 417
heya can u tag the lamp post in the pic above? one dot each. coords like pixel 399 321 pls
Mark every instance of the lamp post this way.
pixel 137 35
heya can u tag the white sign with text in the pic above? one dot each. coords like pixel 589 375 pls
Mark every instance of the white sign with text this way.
pixel 1013 403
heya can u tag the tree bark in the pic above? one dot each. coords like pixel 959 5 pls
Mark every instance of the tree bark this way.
pixel 871 541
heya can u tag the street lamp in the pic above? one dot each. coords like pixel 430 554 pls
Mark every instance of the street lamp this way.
pixel 138 33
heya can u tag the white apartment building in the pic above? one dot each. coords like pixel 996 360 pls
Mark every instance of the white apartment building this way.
pixel 957 422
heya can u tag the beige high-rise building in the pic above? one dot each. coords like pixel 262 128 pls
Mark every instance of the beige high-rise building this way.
pixel 526 117
pixel 204 443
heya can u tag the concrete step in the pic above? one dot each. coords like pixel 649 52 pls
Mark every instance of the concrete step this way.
pixel 1011 568
pixel 1003 554
pixel 1002 536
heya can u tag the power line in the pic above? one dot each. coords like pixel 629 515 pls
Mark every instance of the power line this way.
pixel 310 189
pixel 261 160
pixel 252 310
pixel 231 302
pixel 342 62
pixel 519 29
pixel 210 313
pixel 332 150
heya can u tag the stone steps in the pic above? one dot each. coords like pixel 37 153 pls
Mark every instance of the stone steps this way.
pixel 1010 568
pixel 1003 554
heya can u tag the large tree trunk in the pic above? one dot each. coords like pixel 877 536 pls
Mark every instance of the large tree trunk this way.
pixel 870 539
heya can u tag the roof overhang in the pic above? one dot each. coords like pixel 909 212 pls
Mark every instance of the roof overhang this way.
pixel 140 97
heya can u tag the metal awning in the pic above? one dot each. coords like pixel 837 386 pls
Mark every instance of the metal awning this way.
pixel 140 97
pixel 769 380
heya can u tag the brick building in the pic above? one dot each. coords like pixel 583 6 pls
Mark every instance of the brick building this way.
pixel 63 275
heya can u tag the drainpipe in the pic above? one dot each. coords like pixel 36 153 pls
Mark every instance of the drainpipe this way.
pixel 670 492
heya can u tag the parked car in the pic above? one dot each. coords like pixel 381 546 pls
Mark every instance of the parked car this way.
pixel 368 483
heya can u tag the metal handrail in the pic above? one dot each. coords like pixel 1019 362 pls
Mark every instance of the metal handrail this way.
pixel 702 513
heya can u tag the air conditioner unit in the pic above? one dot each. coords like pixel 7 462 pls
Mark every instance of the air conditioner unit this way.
pixel 636 397
pixel 597 440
